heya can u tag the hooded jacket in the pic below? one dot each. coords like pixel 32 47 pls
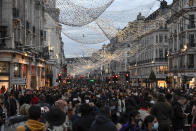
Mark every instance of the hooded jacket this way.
pixel 33 126
pixel 102 123
pixel 179 117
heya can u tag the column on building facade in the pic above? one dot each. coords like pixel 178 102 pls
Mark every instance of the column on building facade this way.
pixel 11 74
pixel 186 61
pixel 177 39
pixel 36 77
pixel 154 53
pixel 29 74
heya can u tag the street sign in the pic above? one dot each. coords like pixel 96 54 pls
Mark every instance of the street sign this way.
pixel 18 81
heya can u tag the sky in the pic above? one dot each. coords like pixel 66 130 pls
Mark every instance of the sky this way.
pixel 119 13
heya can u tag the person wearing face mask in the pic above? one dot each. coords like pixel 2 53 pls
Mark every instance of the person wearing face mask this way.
pixel 132 124
pixel 163 112
pixel 150 124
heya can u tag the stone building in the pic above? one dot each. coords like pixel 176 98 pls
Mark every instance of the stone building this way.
pixel 149 50
pixel 23 54
pixel 55 46
pixel 182 53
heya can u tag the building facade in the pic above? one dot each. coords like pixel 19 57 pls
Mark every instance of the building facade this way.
pixel 23 54
pixel 182 52
pixel 150 51
pixel 54 43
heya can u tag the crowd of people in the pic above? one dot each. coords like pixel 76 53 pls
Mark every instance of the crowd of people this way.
pixel 99 107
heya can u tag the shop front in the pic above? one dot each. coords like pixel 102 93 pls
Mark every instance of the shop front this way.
pixel 4 75
pixel 49 76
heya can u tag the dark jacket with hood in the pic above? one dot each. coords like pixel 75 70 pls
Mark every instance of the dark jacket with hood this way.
pixel 163 112
pixel 179 117
pixel 83 123
pixel 102 123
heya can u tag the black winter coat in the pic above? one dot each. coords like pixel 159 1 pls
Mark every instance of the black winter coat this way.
pixel 11 107
pixel 163 113
pixel 179 117
pixel 102 123
pixel 83 124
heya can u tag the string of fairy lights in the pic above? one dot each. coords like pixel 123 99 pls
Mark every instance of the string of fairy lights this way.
pixel 84 17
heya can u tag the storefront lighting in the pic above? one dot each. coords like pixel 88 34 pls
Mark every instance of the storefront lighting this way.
pixel 26 54
pixel 15 68
pixel 185 47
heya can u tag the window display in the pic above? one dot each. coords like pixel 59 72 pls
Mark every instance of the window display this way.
pixel 17 70
pixel 4 67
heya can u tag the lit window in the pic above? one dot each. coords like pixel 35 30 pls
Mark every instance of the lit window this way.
pixel 191 2
pixel 4 67
pixel 165 69
pixel 161 69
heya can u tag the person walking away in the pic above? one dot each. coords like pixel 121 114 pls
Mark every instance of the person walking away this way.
pixel 179 115
pixel 163 112
pixel 56 120
pixel 132 124
pixel 11 106
pixel 33 123
pixel 102 121
pixel 84 123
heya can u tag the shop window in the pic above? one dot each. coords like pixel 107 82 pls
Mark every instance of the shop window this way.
pixel 4 78
pixel 4 67
pixel 191 2
pixel 165 69
pixel 157 69
pixel 24 71
pixel 17 70
pixel 42 72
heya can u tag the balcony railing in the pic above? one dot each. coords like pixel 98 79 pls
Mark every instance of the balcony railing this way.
pixel 161 59
pixel 191 26
pixel 190 66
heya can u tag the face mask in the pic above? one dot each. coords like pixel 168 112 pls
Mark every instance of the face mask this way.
pixel 156 126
